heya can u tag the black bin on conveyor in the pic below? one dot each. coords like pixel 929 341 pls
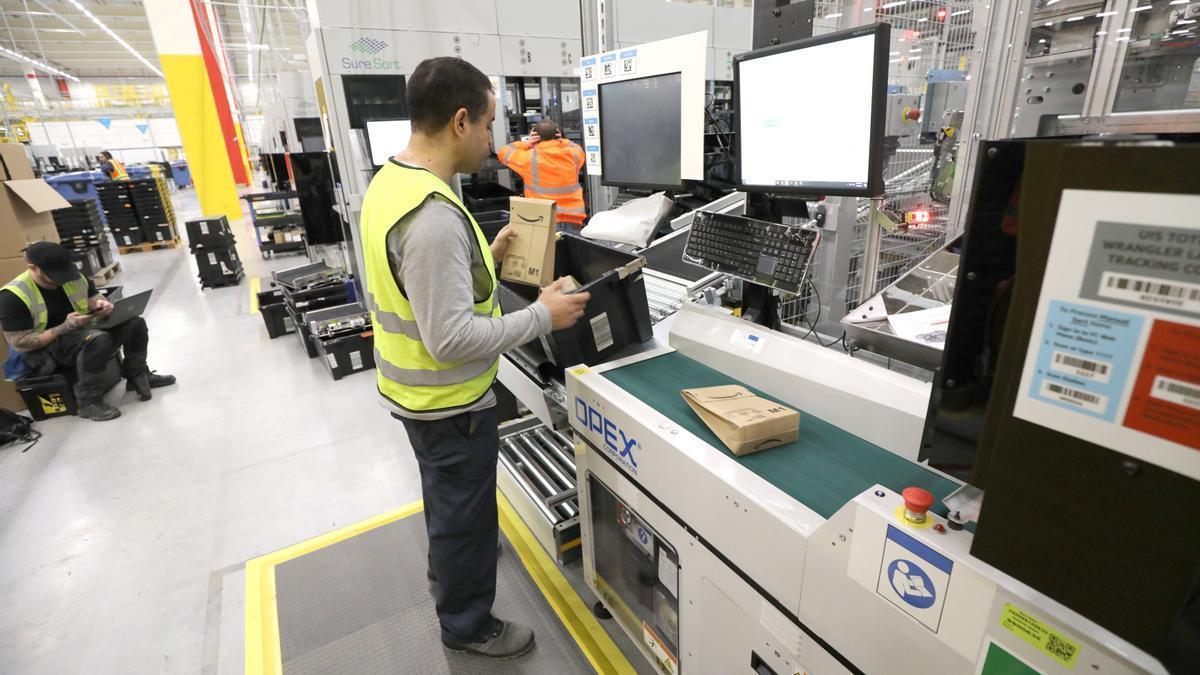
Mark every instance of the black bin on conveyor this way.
pixel 481 197
pixel 617 315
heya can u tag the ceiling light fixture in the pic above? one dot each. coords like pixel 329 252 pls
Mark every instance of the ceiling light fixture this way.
pixel 111 34
pixel 16 56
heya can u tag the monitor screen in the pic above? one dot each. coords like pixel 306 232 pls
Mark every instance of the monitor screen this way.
pixel 809 115
pixel 385 138
pixel 640 123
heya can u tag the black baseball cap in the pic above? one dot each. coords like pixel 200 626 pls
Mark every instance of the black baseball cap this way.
pixel 53 260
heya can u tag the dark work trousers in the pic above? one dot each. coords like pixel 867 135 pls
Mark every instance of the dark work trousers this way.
pixel 89 351
pixel 458 458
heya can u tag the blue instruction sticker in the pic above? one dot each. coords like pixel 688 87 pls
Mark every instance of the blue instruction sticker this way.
pixel 914 577
pixel 590 61
pixel 1085 357
pixel 629 53
pixel 608 57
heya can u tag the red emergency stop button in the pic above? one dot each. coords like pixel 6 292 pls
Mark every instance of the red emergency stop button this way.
pixel 912 114
pixel 917 502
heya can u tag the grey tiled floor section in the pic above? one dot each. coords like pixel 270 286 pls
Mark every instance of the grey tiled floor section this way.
pixel 363 606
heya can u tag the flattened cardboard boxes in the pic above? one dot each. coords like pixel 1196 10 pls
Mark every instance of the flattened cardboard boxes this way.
pixel 212 243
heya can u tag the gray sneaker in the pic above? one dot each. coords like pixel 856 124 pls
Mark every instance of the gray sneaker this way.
pixel 503 640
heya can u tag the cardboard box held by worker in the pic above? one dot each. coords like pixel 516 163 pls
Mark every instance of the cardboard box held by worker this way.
pixel 745 422
pixel 530 256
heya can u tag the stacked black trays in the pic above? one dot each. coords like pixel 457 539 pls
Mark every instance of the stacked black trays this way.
pixel 212 243
pixel 81 230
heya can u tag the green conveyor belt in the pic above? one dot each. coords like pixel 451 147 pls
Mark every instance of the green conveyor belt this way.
pixel 823 470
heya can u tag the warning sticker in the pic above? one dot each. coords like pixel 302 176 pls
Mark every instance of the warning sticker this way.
pixel 1166 395
pixel 1029 628
pixel 1116 335
pixel 665 658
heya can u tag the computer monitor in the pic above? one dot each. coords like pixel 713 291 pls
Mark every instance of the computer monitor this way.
pixel 640 122
pixel 810 114
pixel 385 138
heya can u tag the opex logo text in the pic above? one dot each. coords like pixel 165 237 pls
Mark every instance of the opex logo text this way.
pixel 616 443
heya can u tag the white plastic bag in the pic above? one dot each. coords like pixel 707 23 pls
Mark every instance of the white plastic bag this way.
pixel 631 224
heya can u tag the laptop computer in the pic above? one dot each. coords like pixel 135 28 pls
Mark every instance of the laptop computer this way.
pixel 124 310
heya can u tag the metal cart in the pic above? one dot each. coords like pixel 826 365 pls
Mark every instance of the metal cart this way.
pixel 277 228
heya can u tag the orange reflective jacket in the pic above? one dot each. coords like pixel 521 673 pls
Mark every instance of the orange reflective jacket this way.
pixel 550 170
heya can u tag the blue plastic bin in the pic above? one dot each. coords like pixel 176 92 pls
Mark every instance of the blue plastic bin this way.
pixel 138 171
pixel 181 174
pixel 78 185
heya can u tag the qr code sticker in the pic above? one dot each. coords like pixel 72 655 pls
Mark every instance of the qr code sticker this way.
pixel 1060 648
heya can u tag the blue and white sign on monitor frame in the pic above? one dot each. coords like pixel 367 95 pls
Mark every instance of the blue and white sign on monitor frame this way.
pixel 914 577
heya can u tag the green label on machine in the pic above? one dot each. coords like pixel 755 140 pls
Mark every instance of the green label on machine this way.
pixel 998 661
pixel 1032 630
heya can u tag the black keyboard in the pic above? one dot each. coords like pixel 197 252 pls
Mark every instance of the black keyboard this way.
pixel 624 198
pixel 766 253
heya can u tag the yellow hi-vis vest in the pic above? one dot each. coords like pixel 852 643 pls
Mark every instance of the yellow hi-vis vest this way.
pixel 406 373
pixel 25 288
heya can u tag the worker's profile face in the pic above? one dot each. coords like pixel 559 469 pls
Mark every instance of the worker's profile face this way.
pixel 479 136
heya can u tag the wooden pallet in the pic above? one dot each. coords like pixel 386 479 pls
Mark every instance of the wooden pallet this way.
pixel 149 246
pixel 106 275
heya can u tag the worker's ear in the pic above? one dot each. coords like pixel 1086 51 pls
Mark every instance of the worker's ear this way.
pixel 460 121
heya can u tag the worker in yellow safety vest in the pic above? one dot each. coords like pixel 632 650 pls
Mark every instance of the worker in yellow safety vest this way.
pixel 549 165
pixel 47 314
pixel 431 288
pixel 113 168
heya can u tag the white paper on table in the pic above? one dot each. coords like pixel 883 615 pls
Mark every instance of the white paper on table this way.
pixel 927 326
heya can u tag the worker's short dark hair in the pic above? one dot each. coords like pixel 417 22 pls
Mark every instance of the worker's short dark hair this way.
pixel 547 129
pixel 439 87
pixel 106 154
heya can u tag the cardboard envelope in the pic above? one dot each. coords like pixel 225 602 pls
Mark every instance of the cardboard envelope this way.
pixel 745 422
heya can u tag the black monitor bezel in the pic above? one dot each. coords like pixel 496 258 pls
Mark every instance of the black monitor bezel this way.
pixel 874 188
pixel 676 187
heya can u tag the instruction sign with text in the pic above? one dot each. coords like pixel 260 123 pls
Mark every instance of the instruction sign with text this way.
pixel 1114 356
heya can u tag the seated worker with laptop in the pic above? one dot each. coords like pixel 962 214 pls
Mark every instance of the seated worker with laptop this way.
pixel 54 318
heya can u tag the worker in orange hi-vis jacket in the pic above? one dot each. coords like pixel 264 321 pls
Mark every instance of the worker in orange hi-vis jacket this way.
pixel 550 166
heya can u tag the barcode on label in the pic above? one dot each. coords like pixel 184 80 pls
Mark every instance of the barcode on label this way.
pixel 1061 649
pixel 1081 367
pixel 203 228
pixel 602 331
pixel 1150 291
pixel 1076 397
pixel 1176 391
pixel 288 324
pixel 332 361
pixel 356 360
pixel 212 258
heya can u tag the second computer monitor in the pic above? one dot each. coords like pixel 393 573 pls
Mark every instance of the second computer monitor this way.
pixel 810 115
pixel 386 138
pixel 640 123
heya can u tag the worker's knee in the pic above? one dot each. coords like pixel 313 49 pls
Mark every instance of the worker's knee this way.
pixel 97 349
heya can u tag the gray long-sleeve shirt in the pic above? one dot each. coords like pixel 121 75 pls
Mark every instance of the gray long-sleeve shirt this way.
pixel 435 258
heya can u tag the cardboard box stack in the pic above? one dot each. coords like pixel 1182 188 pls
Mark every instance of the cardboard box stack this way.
pixel 138 211
pixel 81 230
pixel 212 243
pixel 26 204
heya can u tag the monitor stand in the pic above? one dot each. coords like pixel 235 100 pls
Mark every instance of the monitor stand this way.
pixel 759 303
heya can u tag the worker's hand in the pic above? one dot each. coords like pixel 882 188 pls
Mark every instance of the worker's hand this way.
pixel 101 307
pixel 533 136
pixel 75 320
pixel 500 244
pixel 565 308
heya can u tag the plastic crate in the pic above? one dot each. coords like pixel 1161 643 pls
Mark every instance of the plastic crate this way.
pixel 481 197
pixel 617 315
pixel 348 354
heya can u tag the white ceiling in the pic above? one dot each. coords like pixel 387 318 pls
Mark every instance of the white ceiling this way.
pixel 58 34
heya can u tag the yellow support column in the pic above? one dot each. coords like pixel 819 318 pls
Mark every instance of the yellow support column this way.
pixel 173 26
